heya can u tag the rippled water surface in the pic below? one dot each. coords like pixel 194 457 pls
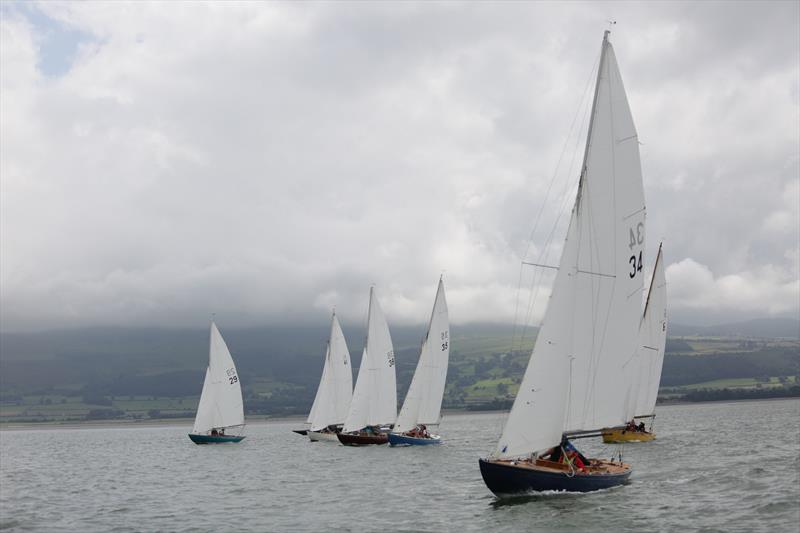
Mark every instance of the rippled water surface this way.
pixel 713 467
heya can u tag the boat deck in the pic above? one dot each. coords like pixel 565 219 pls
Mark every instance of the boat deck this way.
pixel 596 466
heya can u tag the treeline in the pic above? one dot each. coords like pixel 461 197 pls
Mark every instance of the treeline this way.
pixel 715 395
pixel 768 361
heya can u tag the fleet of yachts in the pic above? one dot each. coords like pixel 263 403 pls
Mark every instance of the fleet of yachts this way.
pixel 595 367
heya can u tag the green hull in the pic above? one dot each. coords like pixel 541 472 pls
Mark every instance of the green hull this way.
pixel 210 439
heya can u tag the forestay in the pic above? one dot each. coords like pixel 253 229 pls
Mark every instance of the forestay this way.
pixel 575 378
pixel 336 386
pixel 221 400
pixel 423 401
pixel 375 395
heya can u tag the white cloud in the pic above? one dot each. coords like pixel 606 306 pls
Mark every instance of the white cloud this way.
pixel 769 291
pixel 269 160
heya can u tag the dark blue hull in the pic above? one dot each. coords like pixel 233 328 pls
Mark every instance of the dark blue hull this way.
pixel 505 480
pixel 396 439
pixel 219 439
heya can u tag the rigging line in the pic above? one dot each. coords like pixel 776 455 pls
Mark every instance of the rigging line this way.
pixel 547 194
pixel 562 203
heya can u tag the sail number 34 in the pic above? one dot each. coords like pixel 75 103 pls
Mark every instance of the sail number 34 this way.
pixel 636 238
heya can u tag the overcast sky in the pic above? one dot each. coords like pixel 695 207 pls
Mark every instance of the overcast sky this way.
pixel 266 161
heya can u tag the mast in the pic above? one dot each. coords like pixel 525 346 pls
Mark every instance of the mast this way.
pixel 603 48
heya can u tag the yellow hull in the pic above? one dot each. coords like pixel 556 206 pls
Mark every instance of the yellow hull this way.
pixel 611 436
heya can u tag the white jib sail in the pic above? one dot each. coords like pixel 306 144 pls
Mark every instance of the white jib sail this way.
pixel 423 401
pixel 652 339
pixel 575 378
pixel 375 395
pixel 221 400
pixel 336 386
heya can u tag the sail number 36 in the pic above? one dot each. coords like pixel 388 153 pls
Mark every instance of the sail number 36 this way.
pixel 635 238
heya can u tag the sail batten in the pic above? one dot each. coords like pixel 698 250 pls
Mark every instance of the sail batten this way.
pixel 575 378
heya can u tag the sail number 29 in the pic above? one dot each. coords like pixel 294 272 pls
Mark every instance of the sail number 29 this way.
pixel 232 377
pixel 636 238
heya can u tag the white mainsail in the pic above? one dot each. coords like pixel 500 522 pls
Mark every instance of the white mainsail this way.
pixel 221 400
pixel 575 378
pixel 336 386
pixel 423 401
pixel 652 341
pixel 375 395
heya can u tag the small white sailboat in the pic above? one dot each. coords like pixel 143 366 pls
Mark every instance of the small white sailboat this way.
pixel 423 404
pixel 220 409
pixel 335 389
pixel 373 408
pixel 575 382
pixel 646 366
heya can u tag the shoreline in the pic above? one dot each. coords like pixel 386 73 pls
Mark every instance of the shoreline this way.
pixel 300 419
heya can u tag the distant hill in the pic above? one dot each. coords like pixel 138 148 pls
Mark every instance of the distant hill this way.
pixel 136 371
pixel 762 328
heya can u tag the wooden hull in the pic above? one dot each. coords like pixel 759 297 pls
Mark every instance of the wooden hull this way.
pixel 618 435
pixel 509 478
pixel 349 439
pixel 398 439
pixel 219 439
pixel 318 436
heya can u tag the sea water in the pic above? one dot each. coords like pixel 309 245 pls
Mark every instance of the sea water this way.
pixel 713 467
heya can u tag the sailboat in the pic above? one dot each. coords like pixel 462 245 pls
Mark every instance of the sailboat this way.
pixel 574 384
pixel 335 389
pixel 423 404
pixel 220 408
pixel 373 408
pixel 648 362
